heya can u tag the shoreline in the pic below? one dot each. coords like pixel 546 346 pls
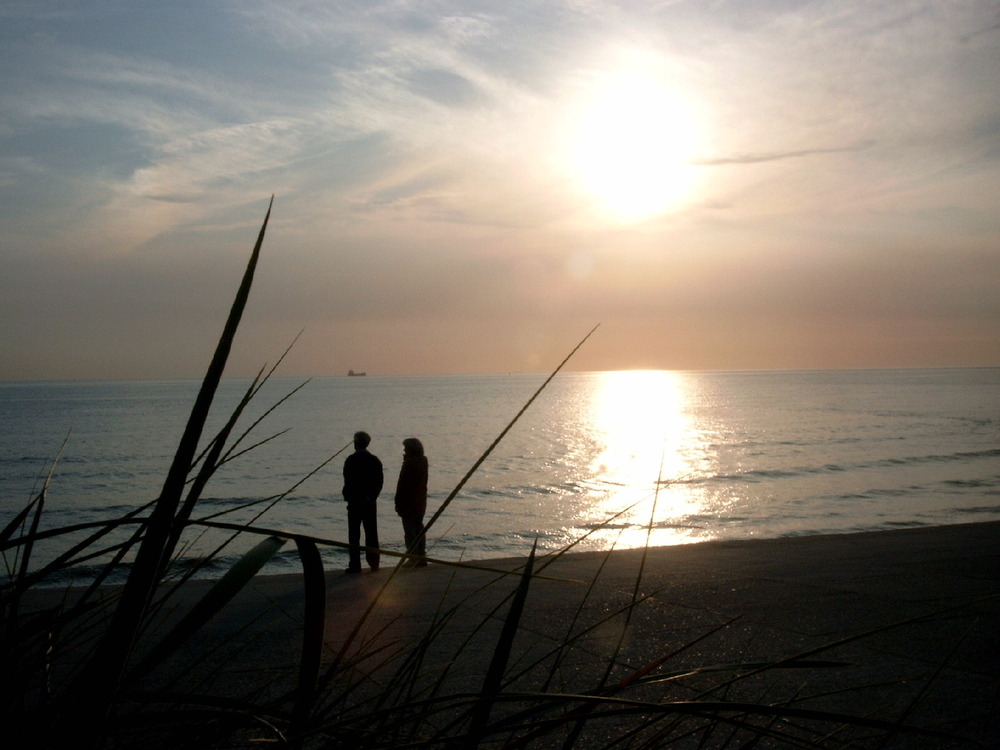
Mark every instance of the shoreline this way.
pixel 948 539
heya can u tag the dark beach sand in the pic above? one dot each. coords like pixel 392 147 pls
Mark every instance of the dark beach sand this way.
pixel 914 613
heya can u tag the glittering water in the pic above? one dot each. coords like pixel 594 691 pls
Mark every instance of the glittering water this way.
pixel 615 458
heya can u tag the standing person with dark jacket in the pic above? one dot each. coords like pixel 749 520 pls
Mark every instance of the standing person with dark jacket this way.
pixel 411 497
pixel 362 482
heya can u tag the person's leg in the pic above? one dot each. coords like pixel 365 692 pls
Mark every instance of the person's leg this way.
pixel 413 527
pixel 353 538
pixel 371 536
pixel 418 535
pixel 408 535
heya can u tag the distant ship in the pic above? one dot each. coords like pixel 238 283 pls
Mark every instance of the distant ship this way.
pixel 353 374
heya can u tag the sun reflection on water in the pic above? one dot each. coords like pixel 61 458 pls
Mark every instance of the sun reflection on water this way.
pixel 646 449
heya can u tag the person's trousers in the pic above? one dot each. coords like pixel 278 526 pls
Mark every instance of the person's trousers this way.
pixel 413 534
pixel 362 515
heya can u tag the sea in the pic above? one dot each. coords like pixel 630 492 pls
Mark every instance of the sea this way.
pixel 587 460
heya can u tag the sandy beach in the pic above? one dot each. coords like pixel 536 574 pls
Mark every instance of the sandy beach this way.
pixel 910 617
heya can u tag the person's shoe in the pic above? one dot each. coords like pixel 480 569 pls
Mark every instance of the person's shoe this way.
pixel 374 568
pixel 352 571
pixel 421 563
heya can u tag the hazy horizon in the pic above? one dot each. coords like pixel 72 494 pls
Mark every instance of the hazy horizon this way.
pixel 568 370
pixel 468 188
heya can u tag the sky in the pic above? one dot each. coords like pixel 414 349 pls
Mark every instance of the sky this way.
pixel 471 187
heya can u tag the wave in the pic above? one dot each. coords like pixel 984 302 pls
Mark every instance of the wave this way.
pixel 973 483
pixel 757 475
pixel 620 526
pixel 976 510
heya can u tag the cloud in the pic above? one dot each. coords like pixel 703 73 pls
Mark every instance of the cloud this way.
pixel 412 149
pixel 759 158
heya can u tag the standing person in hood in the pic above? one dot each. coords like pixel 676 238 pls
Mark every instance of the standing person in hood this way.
pixel 362 482
pixel 411 497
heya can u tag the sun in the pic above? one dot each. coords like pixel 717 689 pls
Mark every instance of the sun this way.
pixel 630 143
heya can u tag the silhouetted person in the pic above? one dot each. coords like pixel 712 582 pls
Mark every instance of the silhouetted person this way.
pixel 362 483
pixel 411 496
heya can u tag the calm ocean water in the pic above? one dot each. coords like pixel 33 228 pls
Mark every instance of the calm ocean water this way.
pixel 612 458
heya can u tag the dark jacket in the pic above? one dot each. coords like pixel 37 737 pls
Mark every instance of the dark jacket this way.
pixel 362 477
pixel 411 489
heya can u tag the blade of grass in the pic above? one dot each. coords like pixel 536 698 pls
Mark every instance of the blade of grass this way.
pixel 859 636
pixel 39 504
pixel 623 630
pixel 314 628
pixel 451 496
pixel 503 433
pixel 264 531
pixel 90 699
pixel 616 706
pixel 239 441
pixel 213 457
pixel 239 529
pixel 10 601
pixel 925 687
pixel 208 606
pixel 501 656
pixel 208 467
pixel 72 556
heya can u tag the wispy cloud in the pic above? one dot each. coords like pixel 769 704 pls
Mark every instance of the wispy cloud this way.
pixel 412 149
pixel 759 158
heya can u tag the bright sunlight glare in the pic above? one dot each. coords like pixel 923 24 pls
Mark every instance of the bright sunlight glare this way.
pixel 631 146
pixel 641 419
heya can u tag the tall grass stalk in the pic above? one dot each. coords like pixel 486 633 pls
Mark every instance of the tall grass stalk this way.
pixel 98 683
pixel 503 433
